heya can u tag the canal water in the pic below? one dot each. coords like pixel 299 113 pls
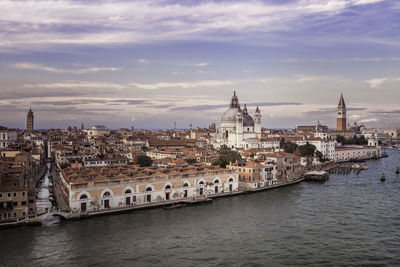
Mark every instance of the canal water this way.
pixel 350 220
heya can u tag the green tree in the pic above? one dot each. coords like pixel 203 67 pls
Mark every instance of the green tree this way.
pixel 225 156
pixel 352 141
pixel 282 143
pixel 289 147
pixel 144 161
pixel 340 139
pixel 306 150
pixel 321 157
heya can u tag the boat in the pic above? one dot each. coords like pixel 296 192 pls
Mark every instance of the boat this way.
pixel 397 170
pixel 359 167
pixel 383 177
pixel 355 167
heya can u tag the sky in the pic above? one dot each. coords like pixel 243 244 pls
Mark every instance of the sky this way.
pixel 149 64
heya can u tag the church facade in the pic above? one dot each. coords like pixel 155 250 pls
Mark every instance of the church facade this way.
pixel 238 129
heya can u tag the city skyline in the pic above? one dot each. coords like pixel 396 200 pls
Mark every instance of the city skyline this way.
pixel 182 61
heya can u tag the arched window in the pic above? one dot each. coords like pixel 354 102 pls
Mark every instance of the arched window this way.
pixel 149 189
pixel 201 182
pixel 106 194
pixel 185 185
pixel 83 196
pixel 167 186
pixel 128 191
pixel 230 180
pixel 216 181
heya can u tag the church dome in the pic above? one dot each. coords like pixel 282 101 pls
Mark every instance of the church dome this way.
pixel 229 116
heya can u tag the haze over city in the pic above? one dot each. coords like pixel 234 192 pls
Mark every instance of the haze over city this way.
pixel 149 64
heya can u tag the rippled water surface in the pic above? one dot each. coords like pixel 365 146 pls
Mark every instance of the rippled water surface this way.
pixel 348 220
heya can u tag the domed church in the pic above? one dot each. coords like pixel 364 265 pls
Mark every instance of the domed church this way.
pixel 238 129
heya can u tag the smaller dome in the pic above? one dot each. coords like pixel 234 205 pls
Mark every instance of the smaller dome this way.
pixel 247 119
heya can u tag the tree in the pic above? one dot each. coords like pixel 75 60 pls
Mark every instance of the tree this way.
pixel 289 147
pixel 282 143
pixel 144 161
pixel 340 139
pixel 319 155
pixel 352 141
pixel 225 156
pixel 306 150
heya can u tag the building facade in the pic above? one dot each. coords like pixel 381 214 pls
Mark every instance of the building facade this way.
pixel 102 193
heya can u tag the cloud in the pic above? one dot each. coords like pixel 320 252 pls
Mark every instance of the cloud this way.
pixel 76 85
pixel 395 111
pixel 35 24
pixel 299 79
pixel 184 85
pixel 129 101
pixel 368 120
pixel 335 60
pixel 381 82
pixel 34 66
pixel 201 64
pixel 143 61
pixel 211 107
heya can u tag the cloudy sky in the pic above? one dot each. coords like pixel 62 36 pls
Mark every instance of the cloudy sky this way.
pixel 150 63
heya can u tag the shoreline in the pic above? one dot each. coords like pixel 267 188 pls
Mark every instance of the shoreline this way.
pixel 68 216
pixel 187 202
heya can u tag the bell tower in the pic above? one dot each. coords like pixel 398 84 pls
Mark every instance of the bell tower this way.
pixel 341 115
pixel 257 122
pixel 29 121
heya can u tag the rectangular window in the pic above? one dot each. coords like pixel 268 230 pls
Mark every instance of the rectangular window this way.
pixel 1 195
pixel 23 203
pixel 23 193
pixel 15 194
pixel 30 200
pixel 9 194
pixel 15 204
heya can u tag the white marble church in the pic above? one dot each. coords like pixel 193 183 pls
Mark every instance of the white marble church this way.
pixel 238 129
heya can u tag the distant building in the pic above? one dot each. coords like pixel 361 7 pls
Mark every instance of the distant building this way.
pixel 29 121
pixel 3 137
pixel 97 131
pixel 341 115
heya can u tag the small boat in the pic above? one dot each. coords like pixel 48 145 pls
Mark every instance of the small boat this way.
pixel 397 170
pixel 383 177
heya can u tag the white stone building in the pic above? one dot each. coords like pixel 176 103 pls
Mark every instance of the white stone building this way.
pixel 238 129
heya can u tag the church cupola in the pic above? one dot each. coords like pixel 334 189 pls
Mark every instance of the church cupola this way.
pixel 234 101
pixel 245 109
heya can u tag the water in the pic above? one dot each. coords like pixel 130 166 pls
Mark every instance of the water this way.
pixel 349 220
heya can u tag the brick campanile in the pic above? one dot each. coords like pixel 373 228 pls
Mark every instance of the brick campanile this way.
pixel 341 115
